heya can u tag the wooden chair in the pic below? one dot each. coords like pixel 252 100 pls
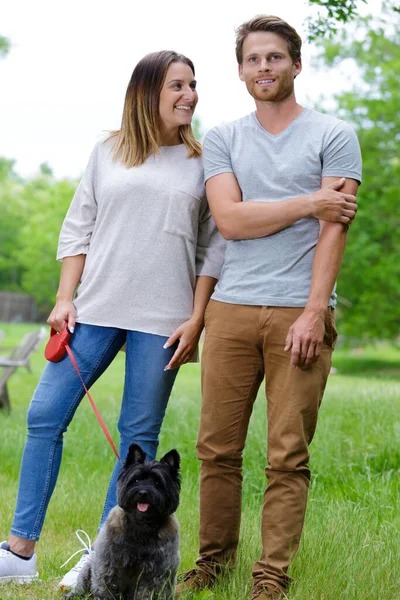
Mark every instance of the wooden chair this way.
pixel 18 357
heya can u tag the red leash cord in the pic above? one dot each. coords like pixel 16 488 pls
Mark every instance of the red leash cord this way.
pixel 54 351
pixel 96 411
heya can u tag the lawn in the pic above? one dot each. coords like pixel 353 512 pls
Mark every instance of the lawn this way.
pixel 350 548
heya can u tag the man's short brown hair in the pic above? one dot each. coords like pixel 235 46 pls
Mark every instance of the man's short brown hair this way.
pixel 274 25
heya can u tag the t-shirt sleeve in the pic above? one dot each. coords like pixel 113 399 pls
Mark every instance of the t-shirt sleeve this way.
pixel 342 154
pixel 216 155
pixel 210 248
pixel 78 224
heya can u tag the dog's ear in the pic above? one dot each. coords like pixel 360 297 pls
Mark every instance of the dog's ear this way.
pixel 172 459
pixel 135 455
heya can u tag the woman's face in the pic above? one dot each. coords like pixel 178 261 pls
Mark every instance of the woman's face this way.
pixel 178 97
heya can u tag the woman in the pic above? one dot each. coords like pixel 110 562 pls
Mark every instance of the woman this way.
pixel 140 240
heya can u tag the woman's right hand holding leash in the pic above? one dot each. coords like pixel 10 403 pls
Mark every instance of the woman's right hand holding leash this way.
pixel 64 310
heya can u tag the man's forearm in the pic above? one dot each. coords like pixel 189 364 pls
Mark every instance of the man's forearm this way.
pixel 238 220
pixel 328 255
pixel 306 335
pixel 256 219
pixel 326 265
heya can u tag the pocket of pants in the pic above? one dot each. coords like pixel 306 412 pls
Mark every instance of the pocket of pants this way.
pixel 182 216
pixel 331 334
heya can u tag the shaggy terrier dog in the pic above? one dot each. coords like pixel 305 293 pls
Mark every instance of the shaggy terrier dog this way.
pixel 137 550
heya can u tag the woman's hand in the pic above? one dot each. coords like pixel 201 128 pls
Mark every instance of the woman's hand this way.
pixel 188 335
pixel 64 310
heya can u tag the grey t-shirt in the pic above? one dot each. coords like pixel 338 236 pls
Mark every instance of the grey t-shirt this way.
pixel 276 270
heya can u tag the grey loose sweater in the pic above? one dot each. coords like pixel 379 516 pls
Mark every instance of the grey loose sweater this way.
pixel 147 232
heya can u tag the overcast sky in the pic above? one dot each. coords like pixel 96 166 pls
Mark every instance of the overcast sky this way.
pixel 64 80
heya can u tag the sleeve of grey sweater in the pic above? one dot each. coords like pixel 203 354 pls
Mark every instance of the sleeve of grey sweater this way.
pixel 78 224
pixel 210 248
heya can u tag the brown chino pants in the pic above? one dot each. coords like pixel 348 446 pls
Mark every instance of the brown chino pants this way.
pixel 242 345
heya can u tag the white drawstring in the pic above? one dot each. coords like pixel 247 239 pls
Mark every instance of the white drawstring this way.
pixel 87 547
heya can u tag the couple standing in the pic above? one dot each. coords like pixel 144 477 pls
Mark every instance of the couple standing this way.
pixel 140 240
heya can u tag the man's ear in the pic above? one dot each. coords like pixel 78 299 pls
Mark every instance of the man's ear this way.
pixel 240 71
pixel 297 67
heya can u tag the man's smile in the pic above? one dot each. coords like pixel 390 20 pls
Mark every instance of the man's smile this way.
pixel 265 82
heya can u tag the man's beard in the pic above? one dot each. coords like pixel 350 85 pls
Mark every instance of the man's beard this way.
pixel 283 90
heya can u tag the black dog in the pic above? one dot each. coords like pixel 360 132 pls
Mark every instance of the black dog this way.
pixel 137 550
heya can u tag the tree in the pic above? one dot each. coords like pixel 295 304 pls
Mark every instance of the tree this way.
pixel 369 279
pixel 4 46
pixel 10 224
pixel 197 128
pixel 7 170
pixel 45 203
pixel 46 170
pixel 31 216
pixel 330 14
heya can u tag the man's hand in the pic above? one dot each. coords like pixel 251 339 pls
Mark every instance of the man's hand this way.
pixel 64 310
pixel 305 338
pixel 188 335
pixel 331 205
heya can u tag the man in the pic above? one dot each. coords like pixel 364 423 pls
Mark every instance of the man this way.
pixel 276 190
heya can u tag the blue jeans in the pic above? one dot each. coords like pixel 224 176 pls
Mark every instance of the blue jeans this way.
pixel 146 392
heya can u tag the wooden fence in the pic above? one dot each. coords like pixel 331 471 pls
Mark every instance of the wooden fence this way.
pixel 17 307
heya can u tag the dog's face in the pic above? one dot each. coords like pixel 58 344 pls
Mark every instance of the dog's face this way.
pixel 149 490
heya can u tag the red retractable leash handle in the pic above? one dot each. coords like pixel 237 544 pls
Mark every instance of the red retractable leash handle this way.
pixel 55 349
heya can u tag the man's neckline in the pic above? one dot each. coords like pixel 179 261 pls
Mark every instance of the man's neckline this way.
pixel 276 135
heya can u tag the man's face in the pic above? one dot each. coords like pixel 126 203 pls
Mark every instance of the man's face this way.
pixel 267 67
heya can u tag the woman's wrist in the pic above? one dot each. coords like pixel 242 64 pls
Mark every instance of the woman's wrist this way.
pixel 62 297
pixel 198 320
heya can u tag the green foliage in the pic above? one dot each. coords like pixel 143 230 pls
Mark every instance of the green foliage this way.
pixel 330 14
pixel 32 213
pixel 47 202
pixel 370 275
pixel 7 170
pixel 46 170
pixel 197 129
pixel 10 225
pixel 4 46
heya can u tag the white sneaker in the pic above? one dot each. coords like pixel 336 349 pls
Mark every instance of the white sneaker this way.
pixel 15 569
pixel 68 582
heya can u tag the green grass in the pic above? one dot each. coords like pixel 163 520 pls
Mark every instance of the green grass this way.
pixel 350 548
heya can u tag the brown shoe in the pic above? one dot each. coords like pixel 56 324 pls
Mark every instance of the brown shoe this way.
pixel 262 592
pixel 194 580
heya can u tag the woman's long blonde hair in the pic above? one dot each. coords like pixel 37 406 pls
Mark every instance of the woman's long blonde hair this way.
pixel 140 130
